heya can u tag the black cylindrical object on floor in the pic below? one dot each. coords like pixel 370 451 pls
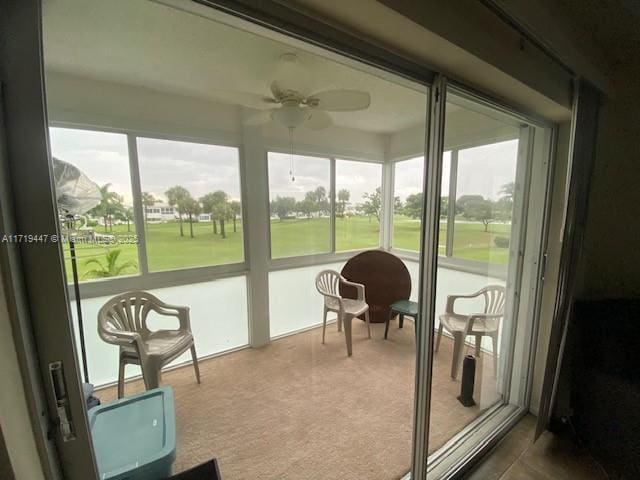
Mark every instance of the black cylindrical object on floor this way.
pixel 468 381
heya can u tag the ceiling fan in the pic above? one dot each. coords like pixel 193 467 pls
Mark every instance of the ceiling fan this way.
pixel 292 106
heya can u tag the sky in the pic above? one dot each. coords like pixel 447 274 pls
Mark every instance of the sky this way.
pixel 104 158
pixel 311 172
pixel 200 168
pixel 357 177
pixel 481 171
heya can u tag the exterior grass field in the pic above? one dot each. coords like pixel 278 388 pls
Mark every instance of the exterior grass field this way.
pixel 167 250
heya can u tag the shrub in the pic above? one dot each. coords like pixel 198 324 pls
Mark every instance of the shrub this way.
pixel 501 242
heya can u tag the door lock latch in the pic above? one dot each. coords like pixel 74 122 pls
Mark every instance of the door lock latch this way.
pixel 63 409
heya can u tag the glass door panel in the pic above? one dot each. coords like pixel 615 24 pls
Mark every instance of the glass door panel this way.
pixel 476 274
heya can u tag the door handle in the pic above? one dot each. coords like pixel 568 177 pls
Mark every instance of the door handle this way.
pixel 60 394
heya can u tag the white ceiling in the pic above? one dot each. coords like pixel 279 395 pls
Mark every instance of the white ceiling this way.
pixel 142 43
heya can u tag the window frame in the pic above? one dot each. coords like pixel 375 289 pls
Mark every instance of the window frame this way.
pixel 333 255
pixel 146 279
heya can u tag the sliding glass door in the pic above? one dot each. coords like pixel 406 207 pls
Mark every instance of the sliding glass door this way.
pixel 495 167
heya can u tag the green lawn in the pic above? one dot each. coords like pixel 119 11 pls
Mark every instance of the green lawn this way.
pixel 166 249
pixel 406 234
pixel 470 241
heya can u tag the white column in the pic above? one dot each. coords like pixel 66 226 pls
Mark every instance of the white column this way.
pixel 256 209
pixel 386 222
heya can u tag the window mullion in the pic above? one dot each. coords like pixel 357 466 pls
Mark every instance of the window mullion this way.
pixel 138 208
pixel 332 202
pixel 388 194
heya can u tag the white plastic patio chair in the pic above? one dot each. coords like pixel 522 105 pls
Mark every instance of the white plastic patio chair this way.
pixel 122 321
pixel 328 283
pixel 479 325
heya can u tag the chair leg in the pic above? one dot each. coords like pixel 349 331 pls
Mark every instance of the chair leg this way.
pixel 386 324
pixel 150 373
pixel 196 367
pixel 121 378
pixel 401 320
pixel 494 339
pixel 324 324
pixel 458 352
pixel 339 321
pixel 439 336
pixel 366 319
pixel 478 344
pixel 347 332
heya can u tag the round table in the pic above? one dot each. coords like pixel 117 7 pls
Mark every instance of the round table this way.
pixel 385 278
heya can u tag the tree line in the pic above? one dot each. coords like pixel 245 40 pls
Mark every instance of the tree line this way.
pixel 470 207
pixel 217 204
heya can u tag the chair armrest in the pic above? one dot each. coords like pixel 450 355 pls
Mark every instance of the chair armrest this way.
pixel 124 339
pixel 358 286
pixel 179 311
pixel 480 316
pixel 451 299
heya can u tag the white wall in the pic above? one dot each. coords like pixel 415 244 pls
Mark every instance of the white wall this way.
pixel 218 320
pixel 14 416
pixel 295 304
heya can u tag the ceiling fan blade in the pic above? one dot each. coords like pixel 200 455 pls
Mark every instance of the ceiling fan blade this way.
pixel 246 99
pixel 340 100
pixel 318 120
pixel 258 118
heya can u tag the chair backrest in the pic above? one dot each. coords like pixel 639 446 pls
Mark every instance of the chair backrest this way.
pixel 126 312
pixel 494 299
pixel 328 282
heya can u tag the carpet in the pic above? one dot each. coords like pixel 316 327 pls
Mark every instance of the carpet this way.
pixel 297 409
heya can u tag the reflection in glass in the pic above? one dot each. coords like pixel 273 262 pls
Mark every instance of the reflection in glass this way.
pixel 480 161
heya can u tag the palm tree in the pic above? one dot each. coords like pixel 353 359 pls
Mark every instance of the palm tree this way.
pixel 216 204
pixel 191 208
pixel 148 200
pixel 109 202
pixel 175 197
pixel 343 200
pixel 221 210
pixel 127 216
pixel 208 205
pixel 236 208
pixel 110 268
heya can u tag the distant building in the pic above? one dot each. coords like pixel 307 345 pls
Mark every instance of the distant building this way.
pixel 160 212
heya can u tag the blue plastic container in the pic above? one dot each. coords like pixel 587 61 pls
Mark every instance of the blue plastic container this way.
pixel 134 438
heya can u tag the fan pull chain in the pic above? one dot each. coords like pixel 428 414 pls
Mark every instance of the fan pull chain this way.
pixel 291 174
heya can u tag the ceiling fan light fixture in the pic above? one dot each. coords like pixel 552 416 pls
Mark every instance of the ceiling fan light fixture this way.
pixel 290 116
